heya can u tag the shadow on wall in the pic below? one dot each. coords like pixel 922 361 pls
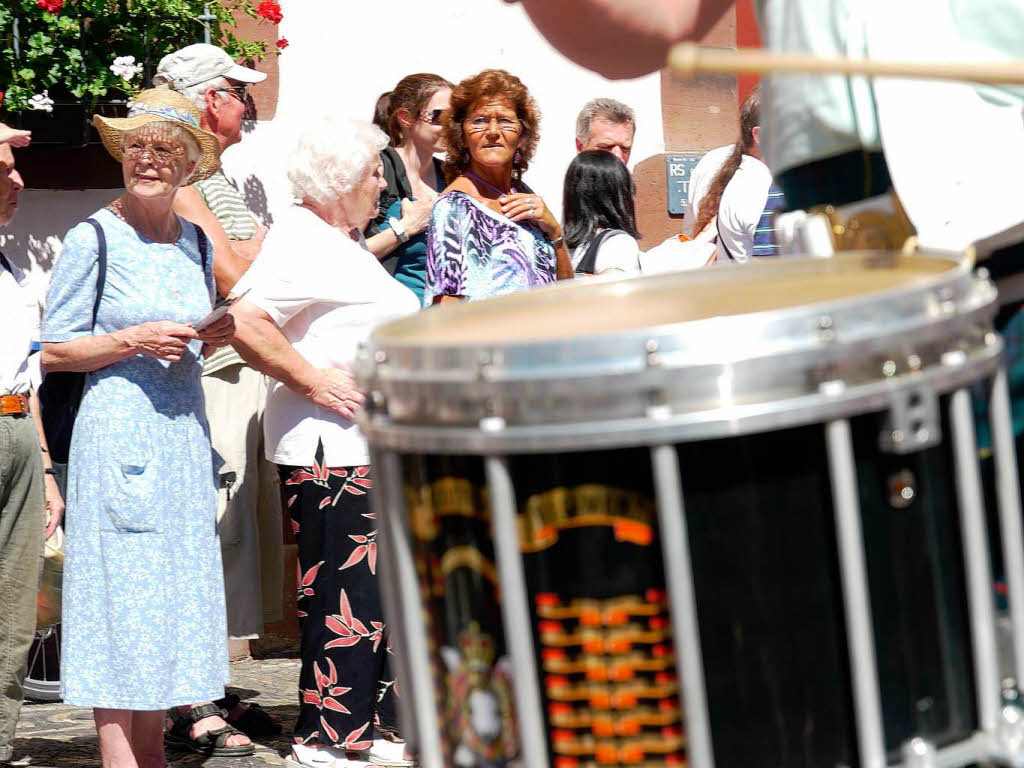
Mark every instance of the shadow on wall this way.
pixel 33 240
pixel 255 195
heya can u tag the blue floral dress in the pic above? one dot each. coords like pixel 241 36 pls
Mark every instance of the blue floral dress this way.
pixel 144 622
pixel 476 253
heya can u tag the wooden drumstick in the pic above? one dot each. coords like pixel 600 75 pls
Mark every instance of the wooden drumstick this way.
pixel 689 59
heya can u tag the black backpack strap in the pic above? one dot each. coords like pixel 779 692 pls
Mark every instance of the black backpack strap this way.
pixel 101 262
pixel 201 242
pixel 721 241
pixel 5 263
pixel 589 261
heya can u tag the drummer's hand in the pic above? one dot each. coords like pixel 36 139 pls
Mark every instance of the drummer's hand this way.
pixel 336 391
pixel 527 206
pixel 54 505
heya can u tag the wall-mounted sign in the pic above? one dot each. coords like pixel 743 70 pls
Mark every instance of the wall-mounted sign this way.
pixel 677 172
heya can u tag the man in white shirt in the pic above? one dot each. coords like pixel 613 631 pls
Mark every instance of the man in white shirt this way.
pixel 30 503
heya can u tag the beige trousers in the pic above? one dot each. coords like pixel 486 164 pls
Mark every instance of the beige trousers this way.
pixel 249 504
pixel 22 526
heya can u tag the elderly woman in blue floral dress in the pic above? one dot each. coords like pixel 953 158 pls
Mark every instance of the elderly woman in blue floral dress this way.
pixel 489 234
pixel 144 617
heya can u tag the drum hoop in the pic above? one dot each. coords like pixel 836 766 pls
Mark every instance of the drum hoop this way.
pixel 455 385
pixel 492 437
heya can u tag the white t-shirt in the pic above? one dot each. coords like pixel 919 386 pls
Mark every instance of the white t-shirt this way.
pixel 743 202
pixel 700 181
pixel 326 294
pixel 19 317
pixel 620 251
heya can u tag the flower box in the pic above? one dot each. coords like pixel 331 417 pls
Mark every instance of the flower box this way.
pixel 69 124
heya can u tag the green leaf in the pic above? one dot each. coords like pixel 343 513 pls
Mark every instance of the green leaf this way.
pixel 26 74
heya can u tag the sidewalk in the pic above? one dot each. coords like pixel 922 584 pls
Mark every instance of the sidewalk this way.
pixel 59 736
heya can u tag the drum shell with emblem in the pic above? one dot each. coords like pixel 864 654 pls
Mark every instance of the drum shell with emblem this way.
pixel 744 499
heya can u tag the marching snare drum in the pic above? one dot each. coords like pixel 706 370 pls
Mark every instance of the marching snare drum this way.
pixel 727 518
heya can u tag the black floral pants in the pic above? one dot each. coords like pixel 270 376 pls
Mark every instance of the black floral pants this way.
pixel 346 689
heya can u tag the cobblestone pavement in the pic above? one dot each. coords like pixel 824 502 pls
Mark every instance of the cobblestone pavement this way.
pixel 60 736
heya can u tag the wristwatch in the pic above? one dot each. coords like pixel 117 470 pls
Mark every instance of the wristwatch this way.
pixel 396 225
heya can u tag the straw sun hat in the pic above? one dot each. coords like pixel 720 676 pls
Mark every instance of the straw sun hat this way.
pixel 161 105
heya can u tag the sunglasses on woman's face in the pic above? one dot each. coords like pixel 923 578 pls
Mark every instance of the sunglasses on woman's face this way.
pixel 433 116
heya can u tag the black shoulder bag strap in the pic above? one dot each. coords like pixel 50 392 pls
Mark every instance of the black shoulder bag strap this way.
pixel 61 391
pixel 201 242
pixel 5 263
pixel 589 261
pixel 101 264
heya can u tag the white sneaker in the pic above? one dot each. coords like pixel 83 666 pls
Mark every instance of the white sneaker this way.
pixel 389 753
pixel 325 757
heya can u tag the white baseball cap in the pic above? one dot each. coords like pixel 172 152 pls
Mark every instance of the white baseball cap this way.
pixel 200 63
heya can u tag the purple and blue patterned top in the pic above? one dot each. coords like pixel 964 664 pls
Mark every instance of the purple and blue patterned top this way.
pixel 476 253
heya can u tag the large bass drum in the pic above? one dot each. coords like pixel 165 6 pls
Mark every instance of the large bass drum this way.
pixel 728 518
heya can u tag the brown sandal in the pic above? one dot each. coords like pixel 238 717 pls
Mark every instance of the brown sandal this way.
pixel 210 744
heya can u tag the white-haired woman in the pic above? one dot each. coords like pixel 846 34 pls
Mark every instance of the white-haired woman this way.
pixel 313 295
pixel 144 626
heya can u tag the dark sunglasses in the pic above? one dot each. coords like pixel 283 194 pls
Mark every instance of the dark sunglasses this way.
pixel 238 91
pixel 433 116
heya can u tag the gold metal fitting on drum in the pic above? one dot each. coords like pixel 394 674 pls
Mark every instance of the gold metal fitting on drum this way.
pixel 879 223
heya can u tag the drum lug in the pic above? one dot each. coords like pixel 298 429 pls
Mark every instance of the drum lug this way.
pixel 1010 733
pixel 912 423
pixel 918 753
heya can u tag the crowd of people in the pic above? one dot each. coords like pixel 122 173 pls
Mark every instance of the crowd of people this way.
pixel 198 427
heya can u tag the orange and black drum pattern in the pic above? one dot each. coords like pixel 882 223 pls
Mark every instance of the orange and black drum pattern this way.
pixel 610 681
pixel 595 581
pixel 593 563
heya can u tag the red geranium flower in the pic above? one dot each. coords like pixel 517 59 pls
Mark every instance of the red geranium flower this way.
pixel 282 43
pixel 53 6
pixel 268 9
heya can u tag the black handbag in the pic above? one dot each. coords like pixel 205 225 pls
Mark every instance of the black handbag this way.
pixel 61 391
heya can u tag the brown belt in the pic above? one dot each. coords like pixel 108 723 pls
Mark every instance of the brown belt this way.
pixel 13 405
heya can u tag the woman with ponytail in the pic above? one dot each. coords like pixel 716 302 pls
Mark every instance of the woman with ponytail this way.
pixel 411 117
pixel 738 193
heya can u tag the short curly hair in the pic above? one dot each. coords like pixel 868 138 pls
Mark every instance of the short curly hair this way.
pixel 489 84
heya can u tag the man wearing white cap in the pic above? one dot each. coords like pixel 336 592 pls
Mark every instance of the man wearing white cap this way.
pixel 249 509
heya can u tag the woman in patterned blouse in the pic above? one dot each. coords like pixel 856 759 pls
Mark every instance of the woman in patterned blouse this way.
pixel 489 234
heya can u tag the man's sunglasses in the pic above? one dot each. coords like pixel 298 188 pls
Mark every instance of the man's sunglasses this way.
pixel 238 91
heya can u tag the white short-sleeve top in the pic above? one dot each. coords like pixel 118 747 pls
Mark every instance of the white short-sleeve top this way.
pixel 326 293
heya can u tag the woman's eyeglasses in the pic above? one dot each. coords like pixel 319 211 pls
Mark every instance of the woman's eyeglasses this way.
pixel 162 154
pixel 480 124
pixel 433 116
